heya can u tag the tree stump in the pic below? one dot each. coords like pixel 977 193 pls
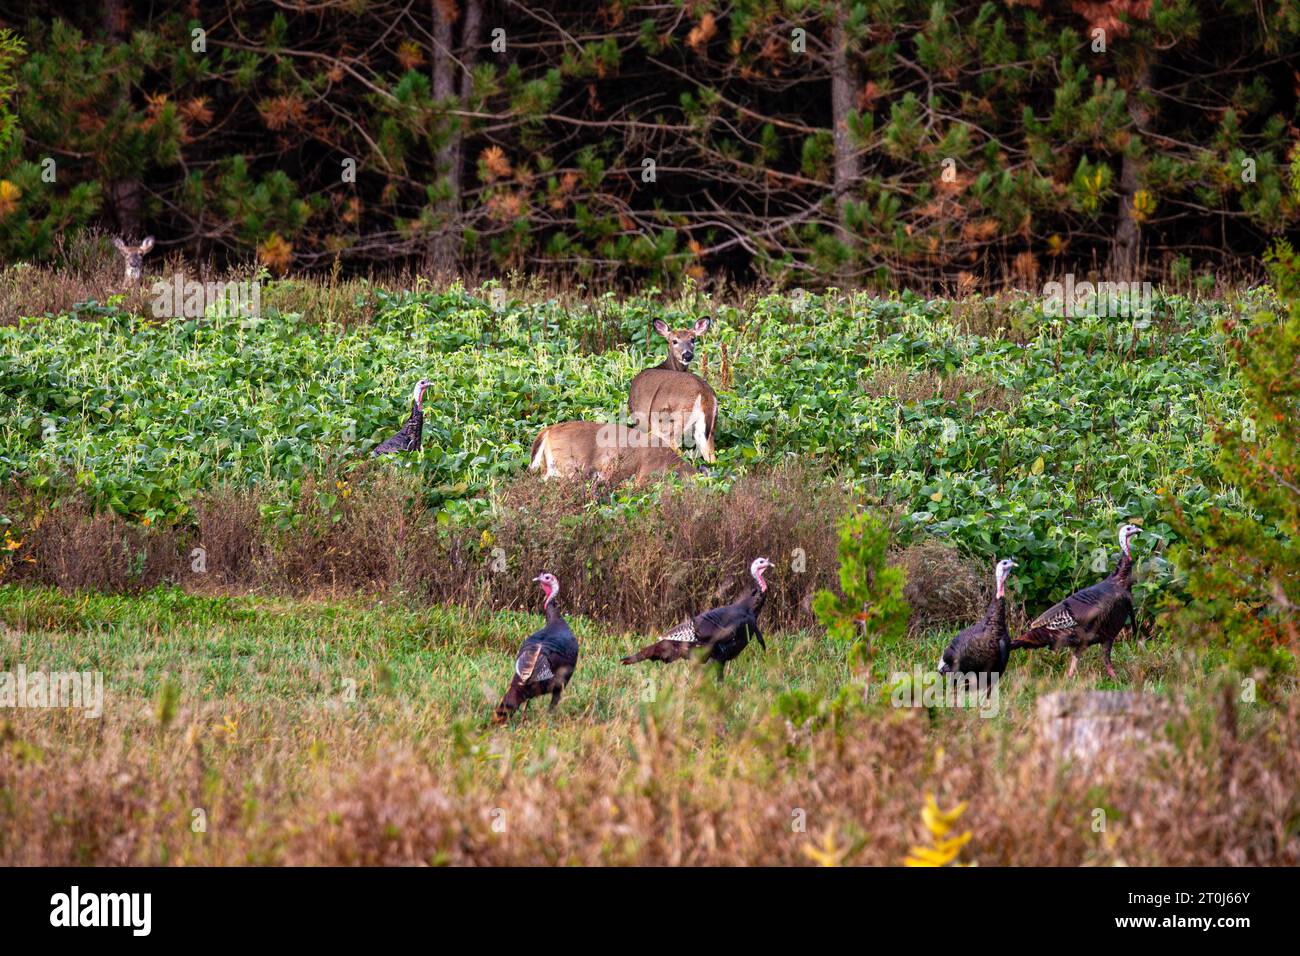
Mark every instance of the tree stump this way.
pixel 1091 726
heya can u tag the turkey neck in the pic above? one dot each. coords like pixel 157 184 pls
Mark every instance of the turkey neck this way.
pixel 1124 571
pixel 996 615
pixel 754 600
pixel 552 612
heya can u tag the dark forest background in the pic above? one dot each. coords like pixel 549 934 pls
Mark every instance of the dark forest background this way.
pixel 805 143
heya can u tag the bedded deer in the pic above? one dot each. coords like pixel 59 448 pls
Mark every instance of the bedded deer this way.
pixel 669 401
pixel 133 257
pixel 610 451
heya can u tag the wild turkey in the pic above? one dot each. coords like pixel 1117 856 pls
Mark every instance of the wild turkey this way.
pixel 721 633
pixel 546 660
pixel 408 439
pixel 1094 615
pixel 983 648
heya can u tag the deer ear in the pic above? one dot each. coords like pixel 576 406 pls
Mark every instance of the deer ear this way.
pixel 147 244
pixel 119 245
pixel 661 327
pixel 702 325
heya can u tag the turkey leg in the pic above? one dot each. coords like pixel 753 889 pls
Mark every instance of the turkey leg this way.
pixel 1105 653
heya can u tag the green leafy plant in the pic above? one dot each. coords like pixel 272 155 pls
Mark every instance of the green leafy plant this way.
pixel 870 610
pixel 1243 588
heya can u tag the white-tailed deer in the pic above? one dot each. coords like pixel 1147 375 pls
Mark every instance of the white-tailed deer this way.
pixel 669 401
pixel 610 451
pixel 134 257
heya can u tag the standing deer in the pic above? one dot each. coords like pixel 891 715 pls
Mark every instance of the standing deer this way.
pixel 670 402
pixel 612 452
pixel 134 257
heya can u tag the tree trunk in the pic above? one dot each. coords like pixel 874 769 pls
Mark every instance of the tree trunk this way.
pixel 443 251
pixel 123 194
pixel 844 86
pixel 1126 254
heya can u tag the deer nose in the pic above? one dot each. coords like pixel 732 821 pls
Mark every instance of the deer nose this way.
pixel 688 354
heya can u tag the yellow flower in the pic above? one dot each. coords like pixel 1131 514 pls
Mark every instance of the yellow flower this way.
pixel 944 849
pixel 941 854
pixel 937 821
pixel 828 854
pixel 230 728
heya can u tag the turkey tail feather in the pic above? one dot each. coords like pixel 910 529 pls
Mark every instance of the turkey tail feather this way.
pixel 1033 638
pixel 641 655
pixel 509 703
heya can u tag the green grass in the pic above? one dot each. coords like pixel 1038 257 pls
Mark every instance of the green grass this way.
pixel 449 664
pixel 263 738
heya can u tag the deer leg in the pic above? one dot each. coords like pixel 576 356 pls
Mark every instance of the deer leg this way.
pixel 702 441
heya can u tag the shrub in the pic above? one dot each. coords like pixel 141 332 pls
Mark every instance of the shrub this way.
pixel 1243 587
pixel 870 609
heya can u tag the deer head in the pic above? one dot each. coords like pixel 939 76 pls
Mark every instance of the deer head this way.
pixel 134 257
pixel 681 343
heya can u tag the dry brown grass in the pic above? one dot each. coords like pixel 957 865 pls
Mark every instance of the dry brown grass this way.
pixel 943 588
pixel 74 547
pixel 1000 315
pixel 690 549
pixel 87 269
pixel 674 786
pixel 91 272
pixel 909 385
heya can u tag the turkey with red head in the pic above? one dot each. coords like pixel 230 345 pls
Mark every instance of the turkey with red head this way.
pixel 983 648
pixel 408 439
pixel 1094 615
pixel 719 634
pixel 546 660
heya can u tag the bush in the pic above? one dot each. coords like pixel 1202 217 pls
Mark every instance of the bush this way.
pixel 870 609
pixel 1243 587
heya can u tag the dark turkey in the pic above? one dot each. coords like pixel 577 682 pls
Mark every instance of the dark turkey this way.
pixel 983 648
pixel 1094 615
pixel 719 635
pixel 546 660
pixel 408 439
